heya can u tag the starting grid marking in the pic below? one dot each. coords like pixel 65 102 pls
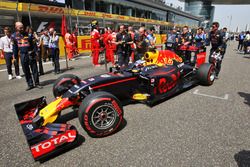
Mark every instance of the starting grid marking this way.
pixel 196 92
pixel 84 57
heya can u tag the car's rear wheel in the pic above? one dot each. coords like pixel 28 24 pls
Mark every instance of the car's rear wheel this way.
pixel 64 83
pixel 100 114
pixel 206 74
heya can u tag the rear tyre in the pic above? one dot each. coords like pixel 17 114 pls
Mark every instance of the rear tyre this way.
pixel 100 114
pixel 206 74
pixel 64 83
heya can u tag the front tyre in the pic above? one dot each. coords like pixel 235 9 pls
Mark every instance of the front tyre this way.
pixel 206 74
pixel 100 114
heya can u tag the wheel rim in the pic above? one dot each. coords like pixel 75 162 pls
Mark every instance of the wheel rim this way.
pixel 103 117
pixel 212 75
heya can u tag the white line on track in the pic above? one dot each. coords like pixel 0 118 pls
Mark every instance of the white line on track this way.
pixel 83 57
pixel 196 92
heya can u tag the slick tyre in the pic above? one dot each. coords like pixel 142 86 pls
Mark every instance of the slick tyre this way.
pixel 206 74
pixel 100 114
pixel 64 83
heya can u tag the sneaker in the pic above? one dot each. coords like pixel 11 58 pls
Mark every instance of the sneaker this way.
pixel 29 88
pixel 18 77
pixel 10 77
pixel 38 86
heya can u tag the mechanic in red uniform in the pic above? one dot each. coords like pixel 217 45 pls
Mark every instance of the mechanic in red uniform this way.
pixel 75 43
pixel 95 45
pixel 105 42
pixel 112 46
pixel 69 45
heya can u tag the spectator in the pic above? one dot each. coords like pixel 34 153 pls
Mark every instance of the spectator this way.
pixel 200 37
pixel 225 35
pixel 241 39
pixel 24 43
pixel 54 49
pixel 6 49
pixel 178 33
pixel 172 39
pixel 247 43
pixel 44 40
pixel 123 41
pixel 39 53
pixel 151 37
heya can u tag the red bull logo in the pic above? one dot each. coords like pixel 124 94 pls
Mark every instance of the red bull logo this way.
pixel 167 57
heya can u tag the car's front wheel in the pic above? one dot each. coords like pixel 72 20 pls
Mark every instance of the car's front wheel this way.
pixel 100 114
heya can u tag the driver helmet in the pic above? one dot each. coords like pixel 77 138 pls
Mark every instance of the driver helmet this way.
pixel 151 57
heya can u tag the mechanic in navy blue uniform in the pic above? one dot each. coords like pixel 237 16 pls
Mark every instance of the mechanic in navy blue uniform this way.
pixel 123 41
pixel 186 36
pixel 142 43
pixel 216 38
pixel 24 43
pixel 186 40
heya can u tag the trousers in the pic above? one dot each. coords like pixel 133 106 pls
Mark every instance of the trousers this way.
pixel 8 58
pixel 28 61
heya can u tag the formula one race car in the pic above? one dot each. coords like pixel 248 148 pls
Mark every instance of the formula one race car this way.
pixel 99 99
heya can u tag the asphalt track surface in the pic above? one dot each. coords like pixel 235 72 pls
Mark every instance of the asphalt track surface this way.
pixel 204 126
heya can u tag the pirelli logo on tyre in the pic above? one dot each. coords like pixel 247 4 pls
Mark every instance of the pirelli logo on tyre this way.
pixel 116 106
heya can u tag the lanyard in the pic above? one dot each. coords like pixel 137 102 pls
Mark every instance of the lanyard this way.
pixel 8 41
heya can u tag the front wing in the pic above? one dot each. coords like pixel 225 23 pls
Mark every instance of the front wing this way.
pixel 44 141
